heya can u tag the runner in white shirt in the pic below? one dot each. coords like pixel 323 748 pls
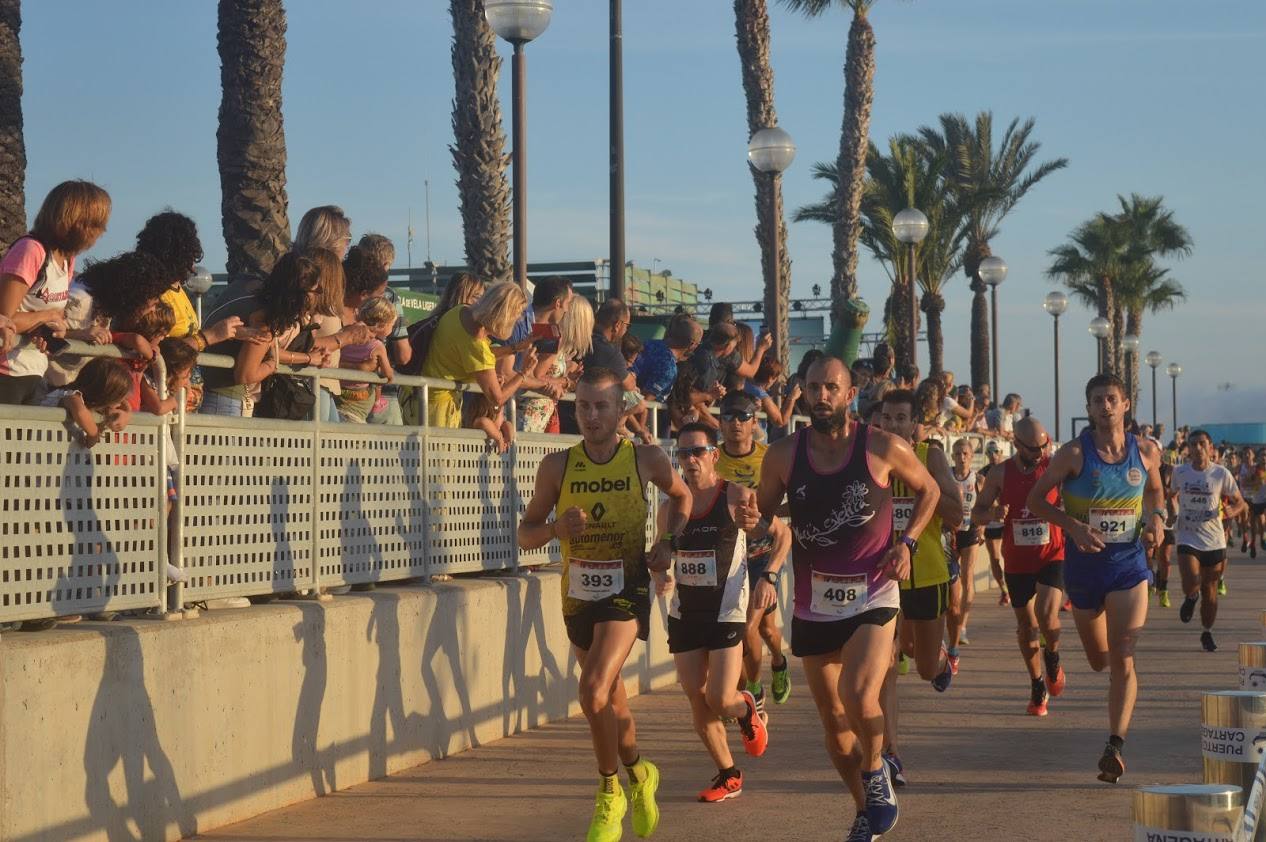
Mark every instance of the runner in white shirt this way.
pixel 1200 487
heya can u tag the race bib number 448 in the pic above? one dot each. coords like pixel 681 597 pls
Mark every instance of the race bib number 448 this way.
pixel 592 581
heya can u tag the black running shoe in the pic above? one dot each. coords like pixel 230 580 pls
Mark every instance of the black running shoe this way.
pixel 1188 608
pixel 1206 640
pixel 1111 765
pixel 860 832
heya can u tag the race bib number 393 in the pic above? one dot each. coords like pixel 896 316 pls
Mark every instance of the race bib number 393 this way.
pixel 838 596
pixel 1116 526
pixel 592 581
pixel 696 568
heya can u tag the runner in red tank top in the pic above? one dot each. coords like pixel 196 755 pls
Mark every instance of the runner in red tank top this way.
pixel 1034 557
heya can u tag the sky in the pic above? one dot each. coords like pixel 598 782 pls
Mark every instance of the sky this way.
pixel 1140 95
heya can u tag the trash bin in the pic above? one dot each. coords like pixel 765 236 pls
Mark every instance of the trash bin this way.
pixel 1233 739
pixel 1253 666
pixel 1187 812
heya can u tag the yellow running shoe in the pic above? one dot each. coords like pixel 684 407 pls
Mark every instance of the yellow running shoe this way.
pixel 609 808
pixel 1164 599
pixel 642 794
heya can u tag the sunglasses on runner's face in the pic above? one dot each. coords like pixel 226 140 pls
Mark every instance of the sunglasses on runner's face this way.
pixel 738 415
pixel 1035 448
pixel 696 452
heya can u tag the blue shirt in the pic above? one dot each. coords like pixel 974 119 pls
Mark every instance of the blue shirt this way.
pixel 656 369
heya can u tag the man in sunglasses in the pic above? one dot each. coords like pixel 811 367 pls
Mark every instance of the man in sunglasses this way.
pixel 597 491
pixel 837 477
pixel 740 462
pixel 1034 557
pixel 708 611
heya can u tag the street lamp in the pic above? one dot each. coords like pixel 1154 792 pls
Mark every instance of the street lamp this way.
pixel 520 21
pixel 910 226
pixel 993 271
pixel 1154 359
pixel 197 284
pixel 1174 370
pixel 1056 303
pixel 1099 329
pixel 771 150
pixel 1130 345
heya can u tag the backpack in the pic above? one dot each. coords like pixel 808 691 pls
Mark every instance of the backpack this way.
pixel 420 336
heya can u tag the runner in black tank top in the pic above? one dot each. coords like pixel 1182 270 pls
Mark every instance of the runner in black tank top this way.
pixel 707 614
pixel 836 476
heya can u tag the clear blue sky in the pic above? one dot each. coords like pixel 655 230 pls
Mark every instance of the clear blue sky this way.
pixel 1153 96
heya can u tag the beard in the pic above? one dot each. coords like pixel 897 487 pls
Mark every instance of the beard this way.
pixel 834 422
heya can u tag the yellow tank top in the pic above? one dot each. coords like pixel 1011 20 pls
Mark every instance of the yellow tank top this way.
pixel 614 497
pixel 929 565
pixel 742 470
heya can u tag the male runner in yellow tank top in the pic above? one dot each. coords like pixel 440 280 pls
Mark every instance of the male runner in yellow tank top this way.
pixel 597 489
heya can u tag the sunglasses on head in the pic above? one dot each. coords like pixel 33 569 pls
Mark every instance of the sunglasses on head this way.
pixel 696 452
pixel 737 415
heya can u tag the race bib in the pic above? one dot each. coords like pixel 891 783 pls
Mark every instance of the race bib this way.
pixel 838 596
pixel 969 500
pixel 1196 506
pixel 696 568
pixel 1116 526
pixel 1031 532
pixel 902 511
pixel 592 581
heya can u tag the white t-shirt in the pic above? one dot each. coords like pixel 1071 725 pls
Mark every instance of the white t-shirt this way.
pixel 23 261
pixel 64 368
pixel 1200 494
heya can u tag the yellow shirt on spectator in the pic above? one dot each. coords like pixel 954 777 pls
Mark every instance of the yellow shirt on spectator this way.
pixel 186 315
pixel 454 355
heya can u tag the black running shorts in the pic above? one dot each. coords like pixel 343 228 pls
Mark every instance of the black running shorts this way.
pixel 1023 586
pixel 1207 558
pixel 965 538
pixel 809 638
pixel 685 635
pixel 613 609
pixel 1169 538
pixel 927 603
pixel 993 533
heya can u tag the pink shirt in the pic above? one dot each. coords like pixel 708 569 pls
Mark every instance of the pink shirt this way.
pixel 23 260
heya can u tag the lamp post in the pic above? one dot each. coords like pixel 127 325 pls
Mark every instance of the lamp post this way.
pixel 993 271
pixel 1174 369
pixel 520 21
pixel 1056 303
pixel 910 226
pixel 1154 359
pixel 771 150
pixel 1099 329
pixel 197 284
pixel 1130 345
pixel 616 132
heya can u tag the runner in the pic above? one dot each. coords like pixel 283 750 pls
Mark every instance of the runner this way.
pixel 1113 513
pixel 1034 553
pixel 837 476
pixel 1161 555
pixel 993 529
pixel 966 541
pixel 740 462
pixel 925 595
pixel 708 613
pixel 1255 492
pixel 597 491
pixel 1201 489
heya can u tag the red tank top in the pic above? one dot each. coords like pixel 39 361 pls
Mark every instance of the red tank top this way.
pixel 1028 542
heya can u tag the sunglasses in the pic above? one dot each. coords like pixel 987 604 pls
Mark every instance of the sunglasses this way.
pixel 738 415
pixel 1033 447
pixel 696 452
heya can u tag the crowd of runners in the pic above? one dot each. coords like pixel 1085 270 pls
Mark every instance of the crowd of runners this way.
pixel 881 528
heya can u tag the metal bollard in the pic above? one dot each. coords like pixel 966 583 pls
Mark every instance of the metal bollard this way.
pixel 1253 666
pixel 1187 813
pixel 1233 738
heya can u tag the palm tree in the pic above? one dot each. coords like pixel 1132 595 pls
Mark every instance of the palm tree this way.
pixel 848 313
pixel 1145 289
pixel 987 183
pixel 751 26
pixel 251 139
pixel 478 148
pixel 12 144
pixel 1090 264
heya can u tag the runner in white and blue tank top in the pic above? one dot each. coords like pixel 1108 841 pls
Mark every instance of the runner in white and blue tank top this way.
pixel 1113 513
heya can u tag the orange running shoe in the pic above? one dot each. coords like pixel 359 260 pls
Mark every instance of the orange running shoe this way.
pixel 1037 701
pixel 1056 685
pixel 755 734
pixel 724 786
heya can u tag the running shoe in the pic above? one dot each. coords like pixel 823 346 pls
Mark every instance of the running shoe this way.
pixel 962 638
pixel 1252 550
pixel 895 770
pixel 724 786
pixel 781 684
pixel 1188 608
pixel 1111 765
pixel 755 734
pixel 903 663
pixel 608 816
pixel 1037 701
pixel 1222 587
pixel 1055 686
pixel 642 794
pixel 860 832
pixel 952 657
pixel 1004 598
pixel 760 702
pixel 1067 606
pixel 942 682
pixel 1206 640
pixel 1244 545
pixel 1163 602
pixel 881 800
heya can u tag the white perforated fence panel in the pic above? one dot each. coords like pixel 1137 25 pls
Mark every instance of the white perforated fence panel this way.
pixel 531 448
pixel 371 524
pixel 472 511
pixel 81 530
pixel 247 510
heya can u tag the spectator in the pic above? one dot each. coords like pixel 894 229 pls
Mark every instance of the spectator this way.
pixel 325 227
pixel 721 312
pixel 398 349
pixel 711 360
pixel 763 388
pixel 882 361
pixel 1001 420
pixel 328 228
pixel 100 389
pixel 550 297
pixel 907 377
pixel 747 356
pixel 928 400
pixel 611 324
pixel 460 351
pixel 357 398
pixel 656 369
pixel 636 412
pixel 8 335
pixel 861 372
pixel 35 279
pixel 953 414
pixel 462 290
pixel 556 360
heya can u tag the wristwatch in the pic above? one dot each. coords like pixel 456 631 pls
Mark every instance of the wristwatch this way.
pixel 671 539
pixel 771 577
pixel 910 543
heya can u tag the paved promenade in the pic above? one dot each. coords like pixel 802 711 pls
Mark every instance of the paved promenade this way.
pixel 978 767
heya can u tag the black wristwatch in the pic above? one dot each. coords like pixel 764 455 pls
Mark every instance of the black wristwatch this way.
pixel 771 577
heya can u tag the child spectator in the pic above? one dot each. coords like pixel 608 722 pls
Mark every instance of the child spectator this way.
pixel 636 412
pixel 101 388
pixel 399 351
pixel 356 399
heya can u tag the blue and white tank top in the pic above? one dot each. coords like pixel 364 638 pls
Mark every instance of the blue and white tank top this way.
pixel 1109 497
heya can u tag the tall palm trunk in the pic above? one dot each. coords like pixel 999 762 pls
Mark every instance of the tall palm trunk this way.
pixel 1118 331
pixel 12 144
pixel 899 317
pixel 1133 325
pixel 478 149
pixel 975 253
pixel 751 25
pixel 1107 307
pixel 933 304
pixel 251 139
pixel 859 79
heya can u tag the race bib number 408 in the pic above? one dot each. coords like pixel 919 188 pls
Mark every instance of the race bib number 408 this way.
pixel 838 596
pixel 1115 526
pixel 593 581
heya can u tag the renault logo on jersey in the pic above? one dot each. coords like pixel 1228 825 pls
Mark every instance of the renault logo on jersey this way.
pixel 604 485
pixel 598 511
